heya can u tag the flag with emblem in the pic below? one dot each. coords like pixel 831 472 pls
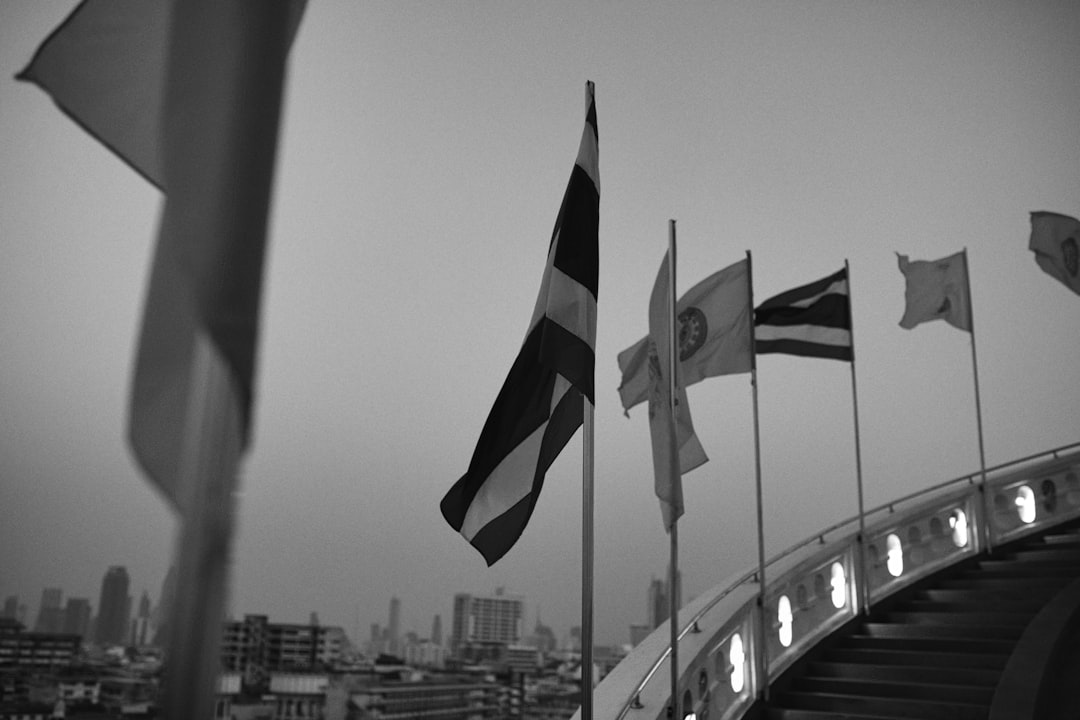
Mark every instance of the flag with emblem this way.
pixel 813 320
pixel 675 447
pixel 540 405
pixel 936 290
pixel 1054 240
pixel 714 326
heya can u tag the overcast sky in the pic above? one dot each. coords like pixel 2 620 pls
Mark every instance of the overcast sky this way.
pixel 425 150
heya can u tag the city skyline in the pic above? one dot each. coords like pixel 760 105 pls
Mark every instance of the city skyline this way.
pixel 423 154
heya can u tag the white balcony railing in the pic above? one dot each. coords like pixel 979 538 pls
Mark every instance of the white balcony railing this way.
pixel 727 656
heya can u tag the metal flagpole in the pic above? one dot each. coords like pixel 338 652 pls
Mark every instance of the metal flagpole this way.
pixel 762 660
pixel 673 532
pixel 864 575
pixel 983 490
pixel 587 564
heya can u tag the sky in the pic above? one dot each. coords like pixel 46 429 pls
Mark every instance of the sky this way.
pixel 424 151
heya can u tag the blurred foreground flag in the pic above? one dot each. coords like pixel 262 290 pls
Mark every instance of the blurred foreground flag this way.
pixel 936 290
pixel 813 320
pixel 1054 242
pixel 714 335
pixel 196 112
pixel 668 443
pixel 540 406
pixel 104 66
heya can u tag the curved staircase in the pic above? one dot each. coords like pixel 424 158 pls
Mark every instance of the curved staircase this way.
pixel 940 648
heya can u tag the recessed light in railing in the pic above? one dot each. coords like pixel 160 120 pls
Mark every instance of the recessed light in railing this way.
pixel 839 586
pixel 1025 504
pixel 895 555
pixel 785 616
pixel 737 658
pixel 958 523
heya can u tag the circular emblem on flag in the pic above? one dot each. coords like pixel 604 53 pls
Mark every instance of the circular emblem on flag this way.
pixel 1070 255
pixel 693 329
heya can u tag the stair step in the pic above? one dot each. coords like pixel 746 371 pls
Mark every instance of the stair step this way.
pixel 940 632
pixel 895 673
pixel 976 580
pixel 899 690
pixel 1021 569
pixel 879 656
pixel 1018 607
pixel 887 707
pixel 966 618
pixel 1067 538
pixel 961 646
pixel 1058 551
pixel 779 713
pixel 1021 597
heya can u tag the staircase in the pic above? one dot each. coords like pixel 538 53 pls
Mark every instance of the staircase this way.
pixel 937 650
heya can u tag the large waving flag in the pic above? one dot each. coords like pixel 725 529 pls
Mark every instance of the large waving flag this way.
pixel 936 290
pixel 206 131
pixel 189 93
pixel 1054 240
pixel 104 66
pixel 813 320
pixel 539 407
pixel 714 335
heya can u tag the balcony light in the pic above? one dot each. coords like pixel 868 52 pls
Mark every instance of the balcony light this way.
pixel 737 658
pixel 1025 504
pixel 839 586
pixel 895 553
pixel 785 616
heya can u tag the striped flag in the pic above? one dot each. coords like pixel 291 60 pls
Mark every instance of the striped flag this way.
pixel 539 407
pixel 813 320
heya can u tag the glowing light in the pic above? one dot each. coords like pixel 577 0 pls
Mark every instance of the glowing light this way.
pixel 895 562
pixel 839 586
pixel 1025 504
pixel 785 616
pixel 737 658
pixel 958 523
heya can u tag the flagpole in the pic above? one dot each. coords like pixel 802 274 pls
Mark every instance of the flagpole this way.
pixel 673 533
pixel 587 563
pixel 864 584
pixel 983 490
pixel 208 471
pixel 762 660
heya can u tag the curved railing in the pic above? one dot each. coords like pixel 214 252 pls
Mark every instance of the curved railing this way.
pixel 727 655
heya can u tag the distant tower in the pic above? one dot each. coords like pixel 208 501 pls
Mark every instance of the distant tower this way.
pixel 77 617
pixel 113 607
pixel 11 607
pixel 50 615
pixel 436 631
pixel 658 610
pixel 395 626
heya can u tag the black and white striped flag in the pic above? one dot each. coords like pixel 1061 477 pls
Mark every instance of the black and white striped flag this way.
pixel 813 320
pixel 539 407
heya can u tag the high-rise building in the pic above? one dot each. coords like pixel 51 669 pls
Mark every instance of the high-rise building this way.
pixel 77 617
pixel 658 610
pixel 113 607
pixel 436 631
pixel 50 617
pixel 395 626
pixel 11 607
pixel 489 622
pixel 256 647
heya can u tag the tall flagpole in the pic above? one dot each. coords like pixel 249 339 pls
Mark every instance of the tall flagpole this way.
pixel 983 490
pixel 587 563
pixel 673 533
pixel 864 584
pixel 762 660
